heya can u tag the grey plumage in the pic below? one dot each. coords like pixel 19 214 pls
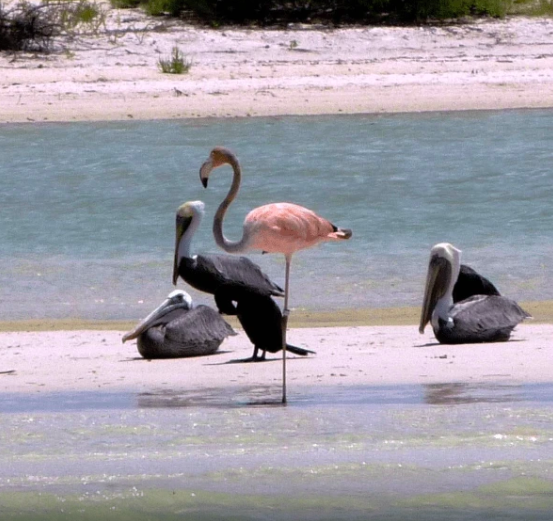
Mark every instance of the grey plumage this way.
pixel 481 318
pixel 478 318
pixel 208 273
pixel 470 283
pixel 261 319
pixel 238 285
pixel 176 329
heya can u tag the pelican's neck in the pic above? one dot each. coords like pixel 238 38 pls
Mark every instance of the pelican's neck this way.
pixel 224 243
pixel 186 239
pixel 445 303
pixel 441 312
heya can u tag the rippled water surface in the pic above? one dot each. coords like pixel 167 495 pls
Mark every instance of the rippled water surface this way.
pixel 467 452
pixel 87 218
pixel 87 231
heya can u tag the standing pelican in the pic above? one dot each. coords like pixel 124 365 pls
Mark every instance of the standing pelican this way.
pixel 178 329
pixel 480 318
pixel 230 279
pixel 261 319
pixel 273 228
pixel 208 273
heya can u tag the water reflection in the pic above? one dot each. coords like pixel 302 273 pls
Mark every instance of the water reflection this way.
pixel 459 393
pixel 269 396
pixel 456 393
pixel 214 397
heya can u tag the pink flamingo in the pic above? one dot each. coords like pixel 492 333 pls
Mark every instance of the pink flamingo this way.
pixel 272 228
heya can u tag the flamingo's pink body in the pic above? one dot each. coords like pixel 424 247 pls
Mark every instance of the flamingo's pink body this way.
pixel 287 228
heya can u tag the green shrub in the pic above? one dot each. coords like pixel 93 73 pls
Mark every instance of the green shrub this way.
pixel 75 13
pixel 533 7
pixel 126 4
pixel 448 9
pixel 177 64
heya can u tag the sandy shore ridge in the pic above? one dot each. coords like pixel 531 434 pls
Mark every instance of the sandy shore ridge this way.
pixel 113 73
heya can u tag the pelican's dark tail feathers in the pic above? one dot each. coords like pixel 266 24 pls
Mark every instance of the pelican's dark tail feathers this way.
pixel 299 350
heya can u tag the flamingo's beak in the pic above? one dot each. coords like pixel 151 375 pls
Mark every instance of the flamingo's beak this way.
pixel 205 170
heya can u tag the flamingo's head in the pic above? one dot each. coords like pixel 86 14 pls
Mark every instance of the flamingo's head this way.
pixel 219 156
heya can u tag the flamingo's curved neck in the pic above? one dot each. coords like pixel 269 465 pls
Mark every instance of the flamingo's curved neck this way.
pixel 224 243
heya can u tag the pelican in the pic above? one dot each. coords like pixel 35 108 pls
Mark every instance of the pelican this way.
pixel 272 228
pixel 208 273
pixel 230 279
pixel 177 329
pixel 479 318
pixel 261 319
pixel 469 283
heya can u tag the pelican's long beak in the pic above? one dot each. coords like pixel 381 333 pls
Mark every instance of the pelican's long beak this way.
pixel 166 306
pixel 437 282
pixel 205 170
pixel 182 224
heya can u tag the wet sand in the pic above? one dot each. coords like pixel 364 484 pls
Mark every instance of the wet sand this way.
pixel 542 312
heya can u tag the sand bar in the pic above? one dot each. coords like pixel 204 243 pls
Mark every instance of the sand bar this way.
pixel 112 73
pixel 42 362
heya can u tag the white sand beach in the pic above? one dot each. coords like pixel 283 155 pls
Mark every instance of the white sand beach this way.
pixel 43 362
pixel 112 73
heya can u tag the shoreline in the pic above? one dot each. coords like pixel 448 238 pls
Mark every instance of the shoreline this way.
pixel 75 361
pixel 542 313
pixel 112 74
pixel 69 360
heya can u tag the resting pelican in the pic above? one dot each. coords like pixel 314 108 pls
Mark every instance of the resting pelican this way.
pixel 272 228
pixel 177 329
pixel 469 283
pixel 480 318
pixel 230 279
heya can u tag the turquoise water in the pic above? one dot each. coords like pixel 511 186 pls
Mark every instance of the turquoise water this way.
pixel 87 211
pixel 433 452
pixel 87 220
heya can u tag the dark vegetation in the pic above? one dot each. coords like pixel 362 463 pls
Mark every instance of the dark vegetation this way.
pixel 26 27
pixel 34 27
pixel 334 12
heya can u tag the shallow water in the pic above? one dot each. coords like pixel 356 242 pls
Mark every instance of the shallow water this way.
pixel 261 396
pixel 475 451
pixel 87 231
pixel 88 211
